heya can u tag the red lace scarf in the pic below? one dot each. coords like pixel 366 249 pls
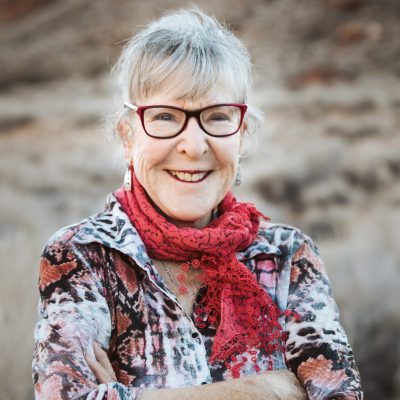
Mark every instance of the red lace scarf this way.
pixel 244 314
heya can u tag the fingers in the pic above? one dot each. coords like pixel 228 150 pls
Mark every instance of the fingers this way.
pixel 101 373
pixel 100 365
pixel 103 359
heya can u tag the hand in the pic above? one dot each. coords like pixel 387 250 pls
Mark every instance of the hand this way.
pixel 270 385
pixel 101 365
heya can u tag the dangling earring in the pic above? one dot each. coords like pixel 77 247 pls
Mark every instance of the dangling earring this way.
pixel 128 176
pixel 238 179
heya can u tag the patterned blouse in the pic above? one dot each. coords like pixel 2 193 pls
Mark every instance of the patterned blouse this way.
pixel 97 283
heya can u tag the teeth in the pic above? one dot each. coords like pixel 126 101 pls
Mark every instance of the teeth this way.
pixel 184 176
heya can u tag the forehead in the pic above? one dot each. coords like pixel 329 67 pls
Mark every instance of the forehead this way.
pixel 171 95
pixel 186 84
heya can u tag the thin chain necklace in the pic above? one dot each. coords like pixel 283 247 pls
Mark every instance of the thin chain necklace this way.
pixel 180 283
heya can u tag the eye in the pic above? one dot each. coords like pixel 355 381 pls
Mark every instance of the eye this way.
pixel 164 117
pixel 218 117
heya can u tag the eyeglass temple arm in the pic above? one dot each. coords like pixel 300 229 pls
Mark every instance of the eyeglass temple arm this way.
pixel 130 105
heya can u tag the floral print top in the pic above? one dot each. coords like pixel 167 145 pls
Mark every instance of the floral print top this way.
pixel 97 283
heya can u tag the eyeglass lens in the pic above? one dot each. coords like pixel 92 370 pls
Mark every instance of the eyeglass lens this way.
pixel 165 122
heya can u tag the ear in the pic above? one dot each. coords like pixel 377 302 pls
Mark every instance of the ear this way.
pixel 125 132
pixel 243 132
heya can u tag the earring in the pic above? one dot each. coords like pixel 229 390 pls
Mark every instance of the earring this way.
pixel 128 176
pixel 238 179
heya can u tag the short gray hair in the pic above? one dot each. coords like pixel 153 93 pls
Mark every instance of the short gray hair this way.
pixel 190 45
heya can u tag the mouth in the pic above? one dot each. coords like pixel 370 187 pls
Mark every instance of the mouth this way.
pixel 189 176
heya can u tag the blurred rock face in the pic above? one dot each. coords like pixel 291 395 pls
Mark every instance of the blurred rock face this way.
pixel 327 159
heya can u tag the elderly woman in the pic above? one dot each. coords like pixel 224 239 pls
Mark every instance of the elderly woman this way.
pixel 176 284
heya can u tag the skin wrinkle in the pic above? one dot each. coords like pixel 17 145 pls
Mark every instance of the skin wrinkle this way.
pixel 184 204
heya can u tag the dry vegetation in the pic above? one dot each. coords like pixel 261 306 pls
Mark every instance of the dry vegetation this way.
pixel 327 159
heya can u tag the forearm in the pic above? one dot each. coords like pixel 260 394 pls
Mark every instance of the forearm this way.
pixel 272 385
pixel 317 348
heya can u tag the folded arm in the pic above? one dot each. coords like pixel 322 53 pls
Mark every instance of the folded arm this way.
pixel 74 315
pixel 271 385
pixel 317 349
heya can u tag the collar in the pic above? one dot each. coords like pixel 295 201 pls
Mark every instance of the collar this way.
pixel 113 228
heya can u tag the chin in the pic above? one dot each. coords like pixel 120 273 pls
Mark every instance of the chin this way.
pixel 190 218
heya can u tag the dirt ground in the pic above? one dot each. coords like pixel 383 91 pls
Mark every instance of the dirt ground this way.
pixel 327 76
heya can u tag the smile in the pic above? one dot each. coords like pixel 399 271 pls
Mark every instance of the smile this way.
pixel 189 176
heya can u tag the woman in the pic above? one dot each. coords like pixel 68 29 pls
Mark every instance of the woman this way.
pixel 176 284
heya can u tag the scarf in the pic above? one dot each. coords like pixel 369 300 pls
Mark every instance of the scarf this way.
pixel 242 312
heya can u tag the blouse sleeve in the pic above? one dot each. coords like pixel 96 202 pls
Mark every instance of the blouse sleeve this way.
pixel 73 313
pixel 317 348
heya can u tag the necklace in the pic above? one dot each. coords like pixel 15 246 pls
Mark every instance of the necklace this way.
pixel 179 282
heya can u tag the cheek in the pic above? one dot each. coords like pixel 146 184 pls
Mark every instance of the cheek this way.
pixel 228 156
pixel 140 144
pixel 145 167
pixel 138 153
pixel 148 156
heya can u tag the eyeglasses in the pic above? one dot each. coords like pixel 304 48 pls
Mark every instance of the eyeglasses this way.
pixel 165 122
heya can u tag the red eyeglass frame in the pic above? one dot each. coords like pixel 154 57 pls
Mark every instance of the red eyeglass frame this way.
pixel 188 114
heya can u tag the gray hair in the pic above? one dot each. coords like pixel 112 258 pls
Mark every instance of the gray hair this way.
pixel 192 46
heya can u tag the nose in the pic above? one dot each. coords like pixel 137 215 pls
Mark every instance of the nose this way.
pixel 193 141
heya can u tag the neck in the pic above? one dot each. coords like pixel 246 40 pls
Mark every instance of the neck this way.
pixel 198 224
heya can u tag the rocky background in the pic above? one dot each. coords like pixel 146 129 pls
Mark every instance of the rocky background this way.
pixel 327 76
